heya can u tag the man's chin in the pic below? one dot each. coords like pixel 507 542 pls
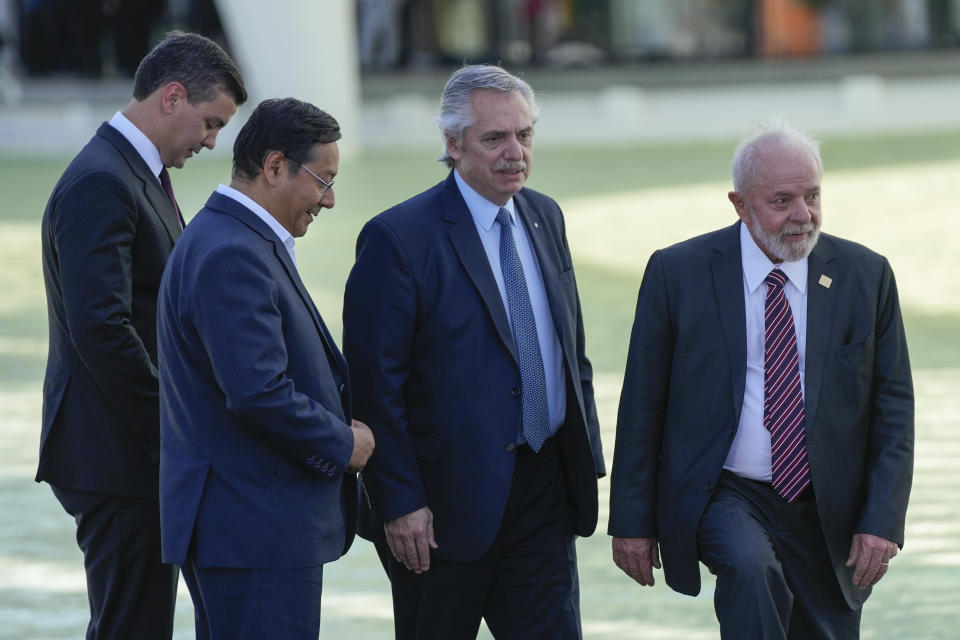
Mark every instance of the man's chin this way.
pixel 800 249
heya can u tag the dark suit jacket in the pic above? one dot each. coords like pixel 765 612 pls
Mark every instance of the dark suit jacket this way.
pixel 435 374
pixel 254 404
pixel 107 232
pixel 684 388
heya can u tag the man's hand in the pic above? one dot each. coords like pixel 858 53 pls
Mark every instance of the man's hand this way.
pixel 870 556
pixel 637 557
pixel 410 539
pixel 362 445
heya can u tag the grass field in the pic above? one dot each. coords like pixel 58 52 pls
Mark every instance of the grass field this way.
pixel 894 194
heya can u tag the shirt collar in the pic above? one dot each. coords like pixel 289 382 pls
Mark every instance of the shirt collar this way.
pixel 285 237
pixel 147 150
pixel 483 211
pixel 756 265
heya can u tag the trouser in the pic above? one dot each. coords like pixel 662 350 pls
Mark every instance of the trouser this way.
pixel 131 593
pixel 525 585
pixel 775 579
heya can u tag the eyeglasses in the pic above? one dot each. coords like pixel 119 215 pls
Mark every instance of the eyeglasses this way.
pixel 326 185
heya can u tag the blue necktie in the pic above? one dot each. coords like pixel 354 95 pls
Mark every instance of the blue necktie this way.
pixel 533 397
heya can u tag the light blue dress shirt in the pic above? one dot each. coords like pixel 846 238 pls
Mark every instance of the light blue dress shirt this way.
pixel 484 215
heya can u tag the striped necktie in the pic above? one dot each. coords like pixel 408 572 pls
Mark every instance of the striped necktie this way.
pixel 783 413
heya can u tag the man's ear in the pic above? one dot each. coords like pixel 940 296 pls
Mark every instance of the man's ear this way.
pixel 172 96
pixel 453 146
pixel 274 167
pixel 740 205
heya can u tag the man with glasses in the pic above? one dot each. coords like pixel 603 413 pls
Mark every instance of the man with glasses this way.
pixel 463 330
pixel 108 229
pixel 259 453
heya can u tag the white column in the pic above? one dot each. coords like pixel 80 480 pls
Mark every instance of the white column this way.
pixel 306 49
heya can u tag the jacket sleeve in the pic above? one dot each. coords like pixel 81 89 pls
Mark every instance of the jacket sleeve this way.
pixel 585 369
pixel 643 405
pixel 379 316
pixel 890 448
pixel 240 325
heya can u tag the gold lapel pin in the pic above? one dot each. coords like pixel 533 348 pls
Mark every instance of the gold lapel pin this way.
pixel 825 281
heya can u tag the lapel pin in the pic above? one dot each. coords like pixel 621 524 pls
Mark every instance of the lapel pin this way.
pixel 536 225
pixel 825 281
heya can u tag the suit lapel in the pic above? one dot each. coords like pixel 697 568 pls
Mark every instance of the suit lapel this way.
pixel 466 242
pixel 162 207
pixel 727 270
pixel 546 251
pixel 821 301
pixel 337 363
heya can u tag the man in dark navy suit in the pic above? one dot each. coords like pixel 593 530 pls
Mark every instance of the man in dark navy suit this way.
pixel 258 452
pixel 107 230
pixel 463 330
pixel 766 420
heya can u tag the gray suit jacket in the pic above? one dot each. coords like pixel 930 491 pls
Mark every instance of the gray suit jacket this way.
pixel 684 387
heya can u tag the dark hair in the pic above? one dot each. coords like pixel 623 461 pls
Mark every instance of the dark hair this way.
pixel 281 124
pixel 196 62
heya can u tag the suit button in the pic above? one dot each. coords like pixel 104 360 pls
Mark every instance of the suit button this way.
pixel 511 447
pixel 515 392
pixel 709 486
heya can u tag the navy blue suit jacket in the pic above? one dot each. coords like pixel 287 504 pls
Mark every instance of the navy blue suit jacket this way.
pixel 684 385
pixel 255 404
pixel 107 232
pixel 435 374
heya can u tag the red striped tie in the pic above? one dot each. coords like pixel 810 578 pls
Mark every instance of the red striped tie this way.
pixel 783 414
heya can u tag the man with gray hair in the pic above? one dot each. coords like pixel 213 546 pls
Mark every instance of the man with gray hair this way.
pixel 463 331
pixel 766 419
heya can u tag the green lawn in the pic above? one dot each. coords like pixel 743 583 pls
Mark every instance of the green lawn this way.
pixel 893 193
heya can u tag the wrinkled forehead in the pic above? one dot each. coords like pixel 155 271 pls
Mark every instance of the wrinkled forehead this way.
pixel 785 165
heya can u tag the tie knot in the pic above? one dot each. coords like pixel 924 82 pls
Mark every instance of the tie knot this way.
pixel 776 278
pixel 503 217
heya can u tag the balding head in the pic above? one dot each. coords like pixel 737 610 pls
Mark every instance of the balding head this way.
pixel 769 143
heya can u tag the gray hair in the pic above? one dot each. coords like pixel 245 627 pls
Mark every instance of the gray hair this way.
pixel 773 134
pixel 456 109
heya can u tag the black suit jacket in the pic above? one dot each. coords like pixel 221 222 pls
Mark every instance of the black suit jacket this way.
pixel 435 375
pixel 107 232
pixel 684 387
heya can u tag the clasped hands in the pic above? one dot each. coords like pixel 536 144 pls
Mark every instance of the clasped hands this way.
pixel 363 445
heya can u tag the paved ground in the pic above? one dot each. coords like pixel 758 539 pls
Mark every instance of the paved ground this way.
pixel 625 103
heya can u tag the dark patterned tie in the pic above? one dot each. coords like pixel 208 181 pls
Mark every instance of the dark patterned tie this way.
pixel 533 397
pixel 783 413
pixel 168 189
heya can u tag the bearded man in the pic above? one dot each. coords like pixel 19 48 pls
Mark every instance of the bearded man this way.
pixel 766 419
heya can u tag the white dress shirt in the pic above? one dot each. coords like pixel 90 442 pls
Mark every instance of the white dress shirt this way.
pixel 749 454
pixel 285 237
pixel 147 150
pixel 484 215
